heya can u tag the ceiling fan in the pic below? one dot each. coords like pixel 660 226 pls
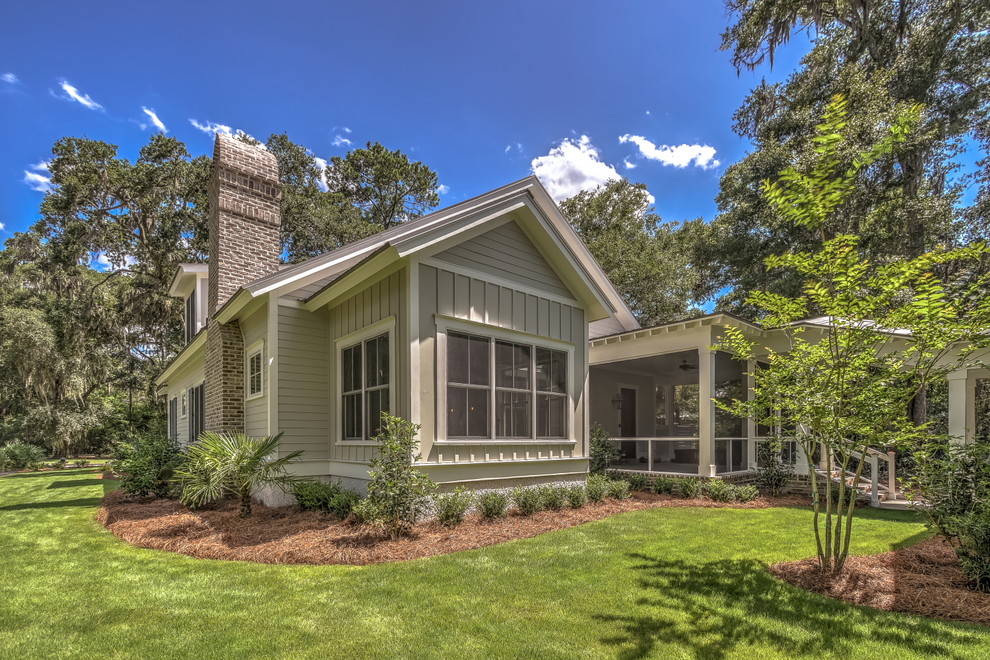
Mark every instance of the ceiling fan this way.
pixel 684 366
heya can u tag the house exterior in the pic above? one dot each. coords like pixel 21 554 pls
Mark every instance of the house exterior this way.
pixel 488 324
pixel 473 322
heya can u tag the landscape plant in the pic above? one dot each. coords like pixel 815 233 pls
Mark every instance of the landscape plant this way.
pixel 617 489
pixel 773 471
pixel 718 490
pixel 222 464
pixel 528 499
pixel 663 485
pixel 398 493
pixel 577 496
pixel 597 487
pixel 493 504
pixel 882 331
pixel 689 488
pixel 954 482
pixel 746 493
pixel 451 507
pixel 329 498
pixel 18 455
pixel 147 464
pixel 602 451
pixel 553 496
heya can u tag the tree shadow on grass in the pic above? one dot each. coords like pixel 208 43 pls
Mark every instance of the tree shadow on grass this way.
pixel 713 609
pixel 54 504
pixel 74 483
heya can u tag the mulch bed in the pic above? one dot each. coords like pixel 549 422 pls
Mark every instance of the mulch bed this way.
pixel 922 579
pixel 286 535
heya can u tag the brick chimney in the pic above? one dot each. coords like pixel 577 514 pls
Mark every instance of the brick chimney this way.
pixel 244 223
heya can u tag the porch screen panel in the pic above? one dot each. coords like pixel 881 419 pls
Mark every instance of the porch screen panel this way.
pixel 513 390
pixel 468 386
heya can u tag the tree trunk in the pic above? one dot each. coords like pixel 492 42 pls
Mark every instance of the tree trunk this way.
pixel 245 504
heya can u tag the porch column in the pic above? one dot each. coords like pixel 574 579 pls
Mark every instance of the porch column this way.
pixel 750 422
pixel 962 406
pixel 706 412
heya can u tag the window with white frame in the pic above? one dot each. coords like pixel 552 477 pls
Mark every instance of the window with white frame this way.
pixel 253 370
pixel 183 404
pixel 527 399
pixel 365 380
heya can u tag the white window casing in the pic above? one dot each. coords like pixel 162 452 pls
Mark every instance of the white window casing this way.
pixel 362 393
pixel 254 370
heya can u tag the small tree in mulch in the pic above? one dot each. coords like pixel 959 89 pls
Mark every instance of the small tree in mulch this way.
pixel 222 464
pixel 398 493
pixel 602 451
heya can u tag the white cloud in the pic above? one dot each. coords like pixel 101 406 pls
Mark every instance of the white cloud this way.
pixel 101 262
pixel 629 165
pixel 443 189
pixel 323 165
pixel 682 155
pixel 38 180
pixel 2 226
pixel 75 95
pixel 572 166
pixel 212 128
pixel 517 147
pixel 9 78
pixel 154 120
pixel 340 141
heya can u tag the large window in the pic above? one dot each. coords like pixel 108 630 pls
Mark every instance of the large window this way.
pixel 255 381
pixel 527 398
pixel 365 376
pixel 191 316
pixel 197 412
pixel 173 419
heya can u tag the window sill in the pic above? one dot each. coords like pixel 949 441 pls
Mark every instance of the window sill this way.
pixel 504 441
pixel 359 443
pixel 254 396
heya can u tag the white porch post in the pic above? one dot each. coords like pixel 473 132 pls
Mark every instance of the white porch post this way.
pixel 706 412
pixel 750 422
pixel 962 406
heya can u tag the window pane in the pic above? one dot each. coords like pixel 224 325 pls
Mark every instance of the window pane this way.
pixel 377 403
pixel 503 364
pixel 351 363
pixel 559 381
pixel 512 415
pixel 352 416
pixel 457 358
pixel 551 370
pixel 543 369
pixel 550 416
pixel 478 416
pixel 479 359
pixel 521 359
pixel 371 363
pixel 512 365
pixel 457 412
pixel 383 357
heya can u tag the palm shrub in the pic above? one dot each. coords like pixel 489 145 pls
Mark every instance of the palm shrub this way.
pixel 577 496
pixel 597 487
pixel 398 493
pixel 147 464
pixel 451 507
pixel 221 464
pixel 493 505
pixel 18 455
pixel 602 451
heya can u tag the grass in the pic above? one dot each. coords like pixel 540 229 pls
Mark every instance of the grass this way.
pixel 664 583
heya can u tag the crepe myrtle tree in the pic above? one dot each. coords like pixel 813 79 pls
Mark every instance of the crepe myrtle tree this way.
pixel 844 383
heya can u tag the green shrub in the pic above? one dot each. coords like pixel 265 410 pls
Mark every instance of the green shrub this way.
pixel 220 464
pixel 617 488
pixel 451 507
pixel 553 496
pixel 329 498
pixel 58 464
pixel 597 487
pixel 35 465
pixel 577 496
pixel 527 500
pixel 954 481
pixel 718 490
pixel 398 492
pixel 690 488
pixel 493 505
pixel 850 494
pixel 365 512
pixel 637 481
pixel 663 486
pixel 147 465
pixel 747 493
pixel 80 463
pixel 602 451
pixel 18 455
pixel 774 471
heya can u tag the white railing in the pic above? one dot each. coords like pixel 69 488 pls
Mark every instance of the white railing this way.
pixel 876 490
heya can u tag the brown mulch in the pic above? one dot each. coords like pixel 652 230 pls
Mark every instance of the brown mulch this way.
pixel 286 535
pixel 922 579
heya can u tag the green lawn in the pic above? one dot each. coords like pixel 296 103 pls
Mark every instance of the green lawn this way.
pixel 665 583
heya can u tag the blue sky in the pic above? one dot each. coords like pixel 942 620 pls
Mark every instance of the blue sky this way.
pixel 576 91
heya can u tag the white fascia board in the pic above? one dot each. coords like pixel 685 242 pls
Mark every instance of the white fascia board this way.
pixel 180 285
pixel 388 259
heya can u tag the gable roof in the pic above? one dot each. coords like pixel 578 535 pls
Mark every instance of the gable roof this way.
pixel 303 281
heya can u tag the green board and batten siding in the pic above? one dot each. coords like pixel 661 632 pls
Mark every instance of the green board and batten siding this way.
pixel 304 381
